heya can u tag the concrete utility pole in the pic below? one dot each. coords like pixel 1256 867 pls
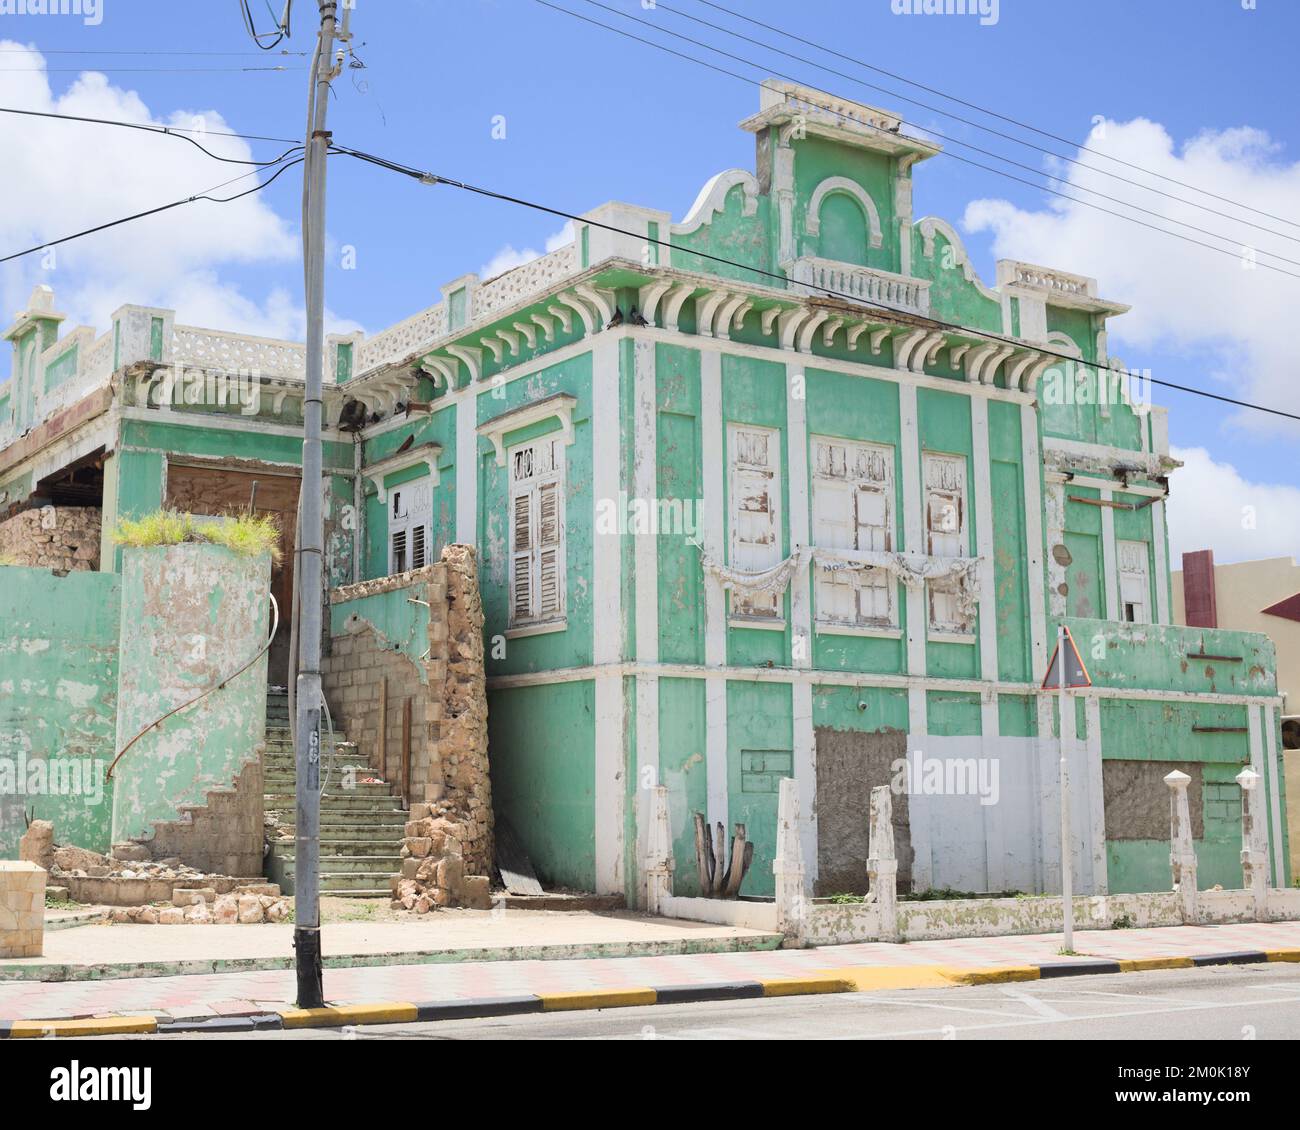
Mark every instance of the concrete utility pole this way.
pixel 306 934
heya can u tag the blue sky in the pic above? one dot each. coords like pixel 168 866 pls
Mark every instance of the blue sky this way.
pixel 591 117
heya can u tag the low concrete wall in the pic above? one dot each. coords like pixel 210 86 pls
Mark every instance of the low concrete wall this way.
pixel 191 615
pixel 844 923
pixel 721 912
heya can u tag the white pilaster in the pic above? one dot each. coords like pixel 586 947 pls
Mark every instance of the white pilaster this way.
pixel 801 638
pixel 1110 574
pixel 1032 462
pixel 1096 796
pixel 913 507
pixel 712 537
pixel 983 469
pixel 467 469
pixel 646 560
pixel 1158 543
pixel 1270 736
pixel 805 772
pixel 607 616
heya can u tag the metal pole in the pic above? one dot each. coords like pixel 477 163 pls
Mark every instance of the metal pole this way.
pixel 1067 873
pixel 306 934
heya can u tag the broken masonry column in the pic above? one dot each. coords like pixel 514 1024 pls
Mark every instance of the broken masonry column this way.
pixel 659 853
pixel 791 896
pixel 1182 855
pixel 1254 855
pixel 882 863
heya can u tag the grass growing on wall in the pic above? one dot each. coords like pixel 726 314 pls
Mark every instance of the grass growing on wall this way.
pixel 246 535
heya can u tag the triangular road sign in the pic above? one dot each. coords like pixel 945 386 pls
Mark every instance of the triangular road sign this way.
pixel 1076 674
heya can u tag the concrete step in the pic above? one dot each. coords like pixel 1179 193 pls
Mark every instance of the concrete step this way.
pixel 280 786
pixel 356 881
pixel 348 865
pixel 342 802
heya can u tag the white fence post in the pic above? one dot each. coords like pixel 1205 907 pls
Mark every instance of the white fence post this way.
pixel 882 863
pixel 791 899
pixel 1254 855
pixel 1182 855
pixel 659 852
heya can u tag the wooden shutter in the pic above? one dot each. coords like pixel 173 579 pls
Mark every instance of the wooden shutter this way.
pixel 537 532
pixel 548 550
pixel 755 542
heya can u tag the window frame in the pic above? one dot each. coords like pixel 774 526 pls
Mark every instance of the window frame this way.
pixel 740 611
pixel 854 484
pixel 532 488
pixel 418 516
pixel 937 625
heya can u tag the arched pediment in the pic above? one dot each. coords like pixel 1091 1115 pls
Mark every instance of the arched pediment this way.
pixel 875 234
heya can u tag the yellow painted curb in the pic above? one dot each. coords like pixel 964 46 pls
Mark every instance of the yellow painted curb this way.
pixel 390 1012
pixel 866 978
pixel 994 975
pixel 1283 955
pixel 88 1026
pixel 1141 964
pixel 802 986
pixel 597 998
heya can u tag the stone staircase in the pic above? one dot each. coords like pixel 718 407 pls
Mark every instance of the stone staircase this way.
pixel 361 828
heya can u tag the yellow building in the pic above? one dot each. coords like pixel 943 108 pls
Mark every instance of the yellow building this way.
pixel 1254 596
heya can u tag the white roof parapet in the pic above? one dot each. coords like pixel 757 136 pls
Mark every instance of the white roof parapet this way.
pixel 1060 288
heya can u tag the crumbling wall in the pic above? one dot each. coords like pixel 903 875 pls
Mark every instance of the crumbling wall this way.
pixel 224 835
pixel 58 703
pixel 192 615
pixel 53 537
pixel 417 638
pixel 1137 799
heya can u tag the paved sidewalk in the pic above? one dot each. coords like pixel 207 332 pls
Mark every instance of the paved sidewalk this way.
pixel 870 965
pixel 102 951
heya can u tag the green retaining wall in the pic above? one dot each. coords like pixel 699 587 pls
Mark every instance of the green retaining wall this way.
pixel 58 698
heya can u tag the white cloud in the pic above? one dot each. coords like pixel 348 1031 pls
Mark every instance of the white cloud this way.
pixel 66 176
pixel 1212 507
pixel 509 257
pixel 1185 298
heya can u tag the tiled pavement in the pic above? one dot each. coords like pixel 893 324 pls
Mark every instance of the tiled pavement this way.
pixel 231 993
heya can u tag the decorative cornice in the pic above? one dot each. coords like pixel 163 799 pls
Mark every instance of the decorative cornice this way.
pixel 426 453
pixel 559 405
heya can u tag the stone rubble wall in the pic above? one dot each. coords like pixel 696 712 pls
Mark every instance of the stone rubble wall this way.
pixel 224 836
pixel 448 848
pixel 53 537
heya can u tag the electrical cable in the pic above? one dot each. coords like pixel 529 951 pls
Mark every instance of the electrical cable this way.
pixel 951 327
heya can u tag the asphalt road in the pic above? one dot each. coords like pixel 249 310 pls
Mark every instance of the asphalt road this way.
pixel 1219 1003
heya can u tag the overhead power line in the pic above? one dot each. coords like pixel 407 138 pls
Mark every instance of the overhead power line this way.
pixel 991 113
pixel 178 132
pixel 660 6
pixel 204 195
pixel 1235 251
pixel 429 178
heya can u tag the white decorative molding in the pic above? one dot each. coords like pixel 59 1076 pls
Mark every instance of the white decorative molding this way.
pixel 426 453
pixel 961 257
pixel 866 285
pixel 851 188
pixel 216 349
pixel 529 278
pixel 560 405
pixel 712 200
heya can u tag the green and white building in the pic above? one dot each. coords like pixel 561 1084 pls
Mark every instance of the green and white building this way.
pixel 823 510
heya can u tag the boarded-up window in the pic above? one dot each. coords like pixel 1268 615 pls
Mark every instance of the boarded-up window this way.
pixel 755 514
pixel 410 510
pixel 1134 582
pixel 853 509
pixel 536 531
pixel 945 535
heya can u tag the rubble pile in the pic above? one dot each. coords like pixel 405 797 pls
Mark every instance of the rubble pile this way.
pixel 433 864
pixel 248 905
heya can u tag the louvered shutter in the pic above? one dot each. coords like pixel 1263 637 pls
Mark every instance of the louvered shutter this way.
pixel 755 540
